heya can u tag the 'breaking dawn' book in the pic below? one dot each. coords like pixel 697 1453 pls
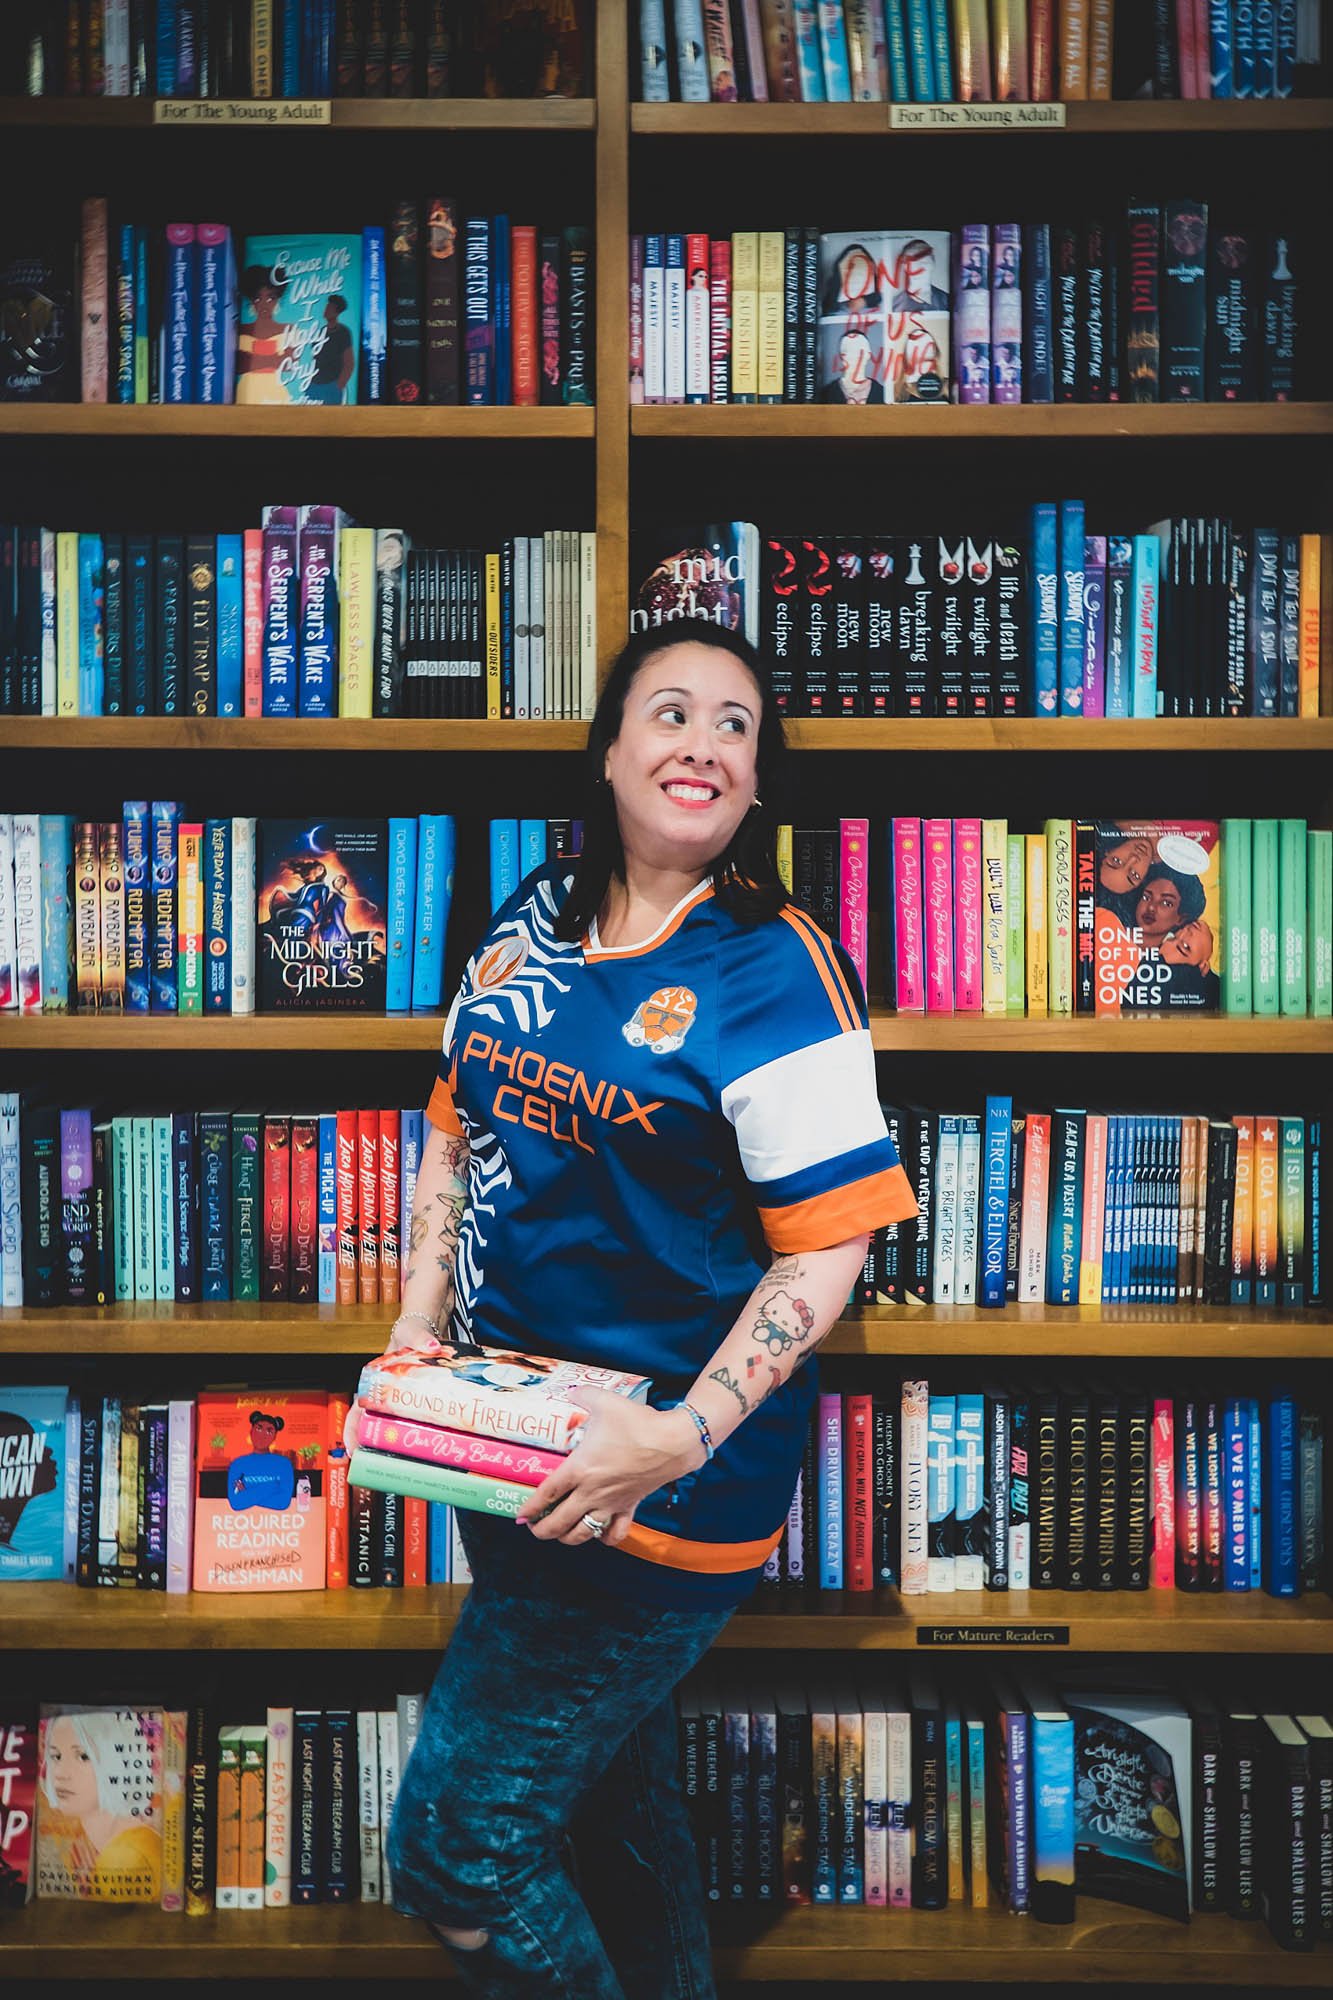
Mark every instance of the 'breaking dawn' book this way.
pixel 322 914
pixel 260 1470
pixel 32 1452
pixel 1158 928
pixel 492 1391
pixel 300 320
pixel 696 572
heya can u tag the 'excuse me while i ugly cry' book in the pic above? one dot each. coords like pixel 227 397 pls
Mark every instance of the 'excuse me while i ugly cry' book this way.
pixel 300 319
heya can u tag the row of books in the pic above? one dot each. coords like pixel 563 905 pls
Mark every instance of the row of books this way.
pixel 931 1487
pixel 1084 1207
pixel 929 1790
pixel 1159 305
pixel 280 49
pixel 159 913
pixel 306 614
pixel 438 307
pixel 956 51
pixel 1099 917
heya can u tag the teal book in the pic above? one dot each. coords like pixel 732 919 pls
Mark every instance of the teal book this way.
pixel 1237 917
pixel 164 1259
pixel 1051 1749
pixel 300 326
pixel 1291 897
pixel 436 849
pixel 379 1472
pixel 1264 928
pixel 1319 922
pixel 246 1168
pixel 141 1139
pixel 122 1208
pixel 1133 1824
pixel 32 1475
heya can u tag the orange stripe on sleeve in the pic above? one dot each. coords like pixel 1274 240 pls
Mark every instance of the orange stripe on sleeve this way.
pixel 441 1112
pixel 849 1211
pixel 719 1558
pixel 823 944
pixel 844 1012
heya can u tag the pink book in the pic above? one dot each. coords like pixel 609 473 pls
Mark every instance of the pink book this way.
pixel 752 29
pixel 1094 1212
pixel 967 900
pixel 853 876
pixel 937 887
pixel 252 583
pixel 405 1439
pixel 93 345
pixel 909 977
pixel 180 1497
pixel 1163 1494
pixel 636 319
pixel 1033 1213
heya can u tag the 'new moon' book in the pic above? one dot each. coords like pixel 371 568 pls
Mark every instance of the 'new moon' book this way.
pixel 323 892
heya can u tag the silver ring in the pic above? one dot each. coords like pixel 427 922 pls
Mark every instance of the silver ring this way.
pixel 594 1526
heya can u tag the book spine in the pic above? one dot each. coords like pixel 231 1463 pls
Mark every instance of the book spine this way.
pixel 281 611
pixel 404 304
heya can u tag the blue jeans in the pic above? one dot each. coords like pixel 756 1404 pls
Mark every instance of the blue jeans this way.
pixel 551 1717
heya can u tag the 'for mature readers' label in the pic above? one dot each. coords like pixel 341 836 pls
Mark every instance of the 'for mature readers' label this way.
pixel 992 1635
pixel 242 111
pixel 976 118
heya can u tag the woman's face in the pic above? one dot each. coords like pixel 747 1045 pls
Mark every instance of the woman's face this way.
pixel 1189 944
pixel 1125 866
pixel 266 302
pixel 70 1775
pixel 1158 909
pixel 683 766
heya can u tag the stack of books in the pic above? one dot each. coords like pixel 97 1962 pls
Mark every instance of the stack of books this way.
pixel 477 1427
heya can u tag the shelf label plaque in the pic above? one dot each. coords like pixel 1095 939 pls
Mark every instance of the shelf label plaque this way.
pixel 271 111
pixel 992 1635
pixel 976 118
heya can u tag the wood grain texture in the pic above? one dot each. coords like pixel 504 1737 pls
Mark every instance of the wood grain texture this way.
pixel 348 114
pixel 793 122
pixel 467 423
pixel 950 422
pixel 285 735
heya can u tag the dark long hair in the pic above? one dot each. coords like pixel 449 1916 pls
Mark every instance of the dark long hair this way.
pixel 745 874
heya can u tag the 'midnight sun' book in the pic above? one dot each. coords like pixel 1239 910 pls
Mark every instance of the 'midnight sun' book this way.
pixel 322 915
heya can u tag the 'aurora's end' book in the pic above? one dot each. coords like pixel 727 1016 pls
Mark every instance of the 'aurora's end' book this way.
pixel 323 893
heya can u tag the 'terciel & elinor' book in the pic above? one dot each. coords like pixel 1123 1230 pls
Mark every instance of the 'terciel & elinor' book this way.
pixel 478 1427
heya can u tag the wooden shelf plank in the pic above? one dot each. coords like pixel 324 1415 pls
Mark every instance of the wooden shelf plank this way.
pixel 1201 1333
pixel 1215 734
pixel 1083 423
pixel 295 423
pixel 1183 1033
pixel 175 733
pixel 856 121
pixel 58 1617
pixel 347 114
pixel 1105 1943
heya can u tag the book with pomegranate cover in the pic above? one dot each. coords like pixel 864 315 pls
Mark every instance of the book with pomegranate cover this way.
pixel 492 1392
pixel 260 1489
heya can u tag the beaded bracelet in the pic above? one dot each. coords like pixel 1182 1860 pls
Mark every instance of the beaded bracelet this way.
pixel 700 1424
pixel 425 1319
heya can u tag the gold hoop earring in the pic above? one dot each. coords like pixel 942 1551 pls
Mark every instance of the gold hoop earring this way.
pixel 756 802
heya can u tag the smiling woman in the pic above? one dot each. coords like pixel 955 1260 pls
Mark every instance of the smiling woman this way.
pixel 658 1078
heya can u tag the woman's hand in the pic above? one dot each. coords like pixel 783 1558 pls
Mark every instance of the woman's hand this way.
pixel 625 1452
pixel 404 1333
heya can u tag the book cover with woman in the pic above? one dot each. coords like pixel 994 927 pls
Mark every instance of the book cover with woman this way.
pixel 1157 915
pixel 99 1804
pixel 300 320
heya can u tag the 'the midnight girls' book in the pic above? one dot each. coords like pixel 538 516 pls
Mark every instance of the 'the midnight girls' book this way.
pixel 323 900
pixel 698 571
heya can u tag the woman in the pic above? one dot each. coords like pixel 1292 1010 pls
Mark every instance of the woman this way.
pixel 263 343
pixel 656 1146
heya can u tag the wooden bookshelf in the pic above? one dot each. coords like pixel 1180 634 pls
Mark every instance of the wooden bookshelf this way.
pixel 1220 735
pixel 1107 1943
pixel 954 423
pixel 539 115
pixel 295 1332
pixel 1127 116
pixel 58 1617
pixel 295 423
pixel 1070 1034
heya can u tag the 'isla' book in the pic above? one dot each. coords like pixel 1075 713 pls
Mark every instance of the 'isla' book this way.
pixel 494 1392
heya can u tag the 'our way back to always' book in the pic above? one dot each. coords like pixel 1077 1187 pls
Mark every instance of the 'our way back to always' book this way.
pixel 491 1391
pixel 300 319
pixel 323 898
pixel 1158 929
pixel 259 1518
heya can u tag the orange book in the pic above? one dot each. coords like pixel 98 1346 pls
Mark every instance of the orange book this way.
pixel 335 1562
pixel 1009 45
pixel 261 1471
pixel 1041 28
pixel 1073 50
pixel 971 34
pixel 1311 553
pixel 526 372
pixel 1100 47
pixel 391 1194
pixel 1265 1211
pixel 346 1180
pixel 254 1746
pixel 175 1729
pixel 1242 1216
pixel 415 1530
pixel 227 1863
pixel 368 1206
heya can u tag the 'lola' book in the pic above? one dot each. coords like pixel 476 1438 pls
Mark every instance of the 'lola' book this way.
pixel 260 1482
pixel 493 1392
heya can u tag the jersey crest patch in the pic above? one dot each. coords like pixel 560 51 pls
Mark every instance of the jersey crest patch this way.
pixel 662 1021
pixel 500 962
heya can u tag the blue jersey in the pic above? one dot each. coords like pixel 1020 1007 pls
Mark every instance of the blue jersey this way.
pixel 649 1126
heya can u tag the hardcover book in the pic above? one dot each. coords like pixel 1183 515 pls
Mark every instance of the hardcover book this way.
pixel 884 317
pixel 322 908
pixel 1132 1794
pixel 32 1460
pixel 697 572
pixel 300 320
pixel 491 1392
pixel 260 1491
pixel 1158 915
pixel 18 1808
pixel 99 1804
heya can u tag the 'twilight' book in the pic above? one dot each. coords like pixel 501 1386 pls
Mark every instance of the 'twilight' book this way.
pixel 322 914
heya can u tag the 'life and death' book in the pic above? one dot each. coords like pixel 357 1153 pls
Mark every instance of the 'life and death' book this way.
pixel 322 914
